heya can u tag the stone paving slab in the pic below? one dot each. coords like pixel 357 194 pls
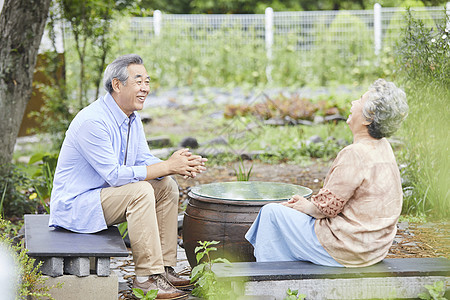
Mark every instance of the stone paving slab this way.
pixel 300 270
pixel 44 241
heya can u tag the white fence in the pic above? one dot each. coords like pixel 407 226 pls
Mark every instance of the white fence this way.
pixel 379 27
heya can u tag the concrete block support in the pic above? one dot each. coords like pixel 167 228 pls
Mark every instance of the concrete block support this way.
pixel 102 266
pixel 86 288
pixel 352 288
pixel 52 266
pixel 78 266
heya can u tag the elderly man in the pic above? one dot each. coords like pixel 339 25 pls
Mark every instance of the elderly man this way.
pixel 106 175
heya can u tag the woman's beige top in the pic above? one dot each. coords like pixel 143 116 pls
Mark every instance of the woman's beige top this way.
pixel 362 199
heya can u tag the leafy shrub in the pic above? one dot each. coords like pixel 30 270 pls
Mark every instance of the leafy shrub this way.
pixel 14 192
pixel 424 65
pixel 43 178
pixel 55 114
pixel 31 283
pixel 398 21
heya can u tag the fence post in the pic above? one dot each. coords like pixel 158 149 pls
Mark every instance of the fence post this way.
pixel 157 17
pixel 377 27
pixel 269 41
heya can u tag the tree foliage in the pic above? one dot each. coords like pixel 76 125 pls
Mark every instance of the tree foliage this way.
pixel 90 22
pixel 258 6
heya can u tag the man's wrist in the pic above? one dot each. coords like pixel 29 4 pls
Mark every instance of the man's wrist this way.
pixel 157 170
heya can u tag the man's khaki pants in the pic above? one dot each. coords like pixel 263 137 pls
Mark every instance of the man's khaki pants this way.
pixel 151 209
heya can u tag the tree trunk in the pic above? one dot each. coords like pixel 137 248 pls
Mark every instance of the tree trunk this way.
pixel 22 24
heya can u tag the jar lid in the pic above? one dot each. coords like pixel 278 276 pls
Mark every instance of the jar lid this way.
pixel 250 191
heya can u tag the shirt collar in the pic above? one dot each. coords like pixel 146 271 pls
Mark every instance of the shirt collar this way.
pixel 117 113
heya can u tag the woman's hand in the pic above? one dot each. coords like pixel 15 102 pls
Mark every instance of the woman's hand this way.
pixel 294 199
pixel 303 205
pixel 296 202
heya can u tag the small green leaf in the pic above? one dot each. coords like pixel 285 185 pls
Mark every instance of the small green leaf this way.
pixel 199 256
pixel 37 157
pixel 292 292
pixel 138 293
pixel 424 296
pixel 197 271
pixel 151 295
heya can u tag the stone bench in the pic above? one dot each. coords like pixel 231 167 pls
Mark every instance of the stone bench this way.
pixel 396 278
pixel 81 262
pixel 66 252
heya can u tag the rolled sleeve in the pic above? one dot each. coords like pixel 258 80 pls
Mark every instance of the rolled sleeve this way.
pixel 140 172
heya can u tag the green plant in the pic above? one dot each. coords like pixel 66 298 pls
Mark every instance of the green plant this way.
pixel 90 22
pixel 242 174
pixel 206 284
pixel 423 67
pixel 435 291
pixel 398 20
pixel 423 52
pixel 123 229
pixel 151 295
pixel 43 177
pixel 15 186
pixel 31 283
pixel 293 295
pixel 55 114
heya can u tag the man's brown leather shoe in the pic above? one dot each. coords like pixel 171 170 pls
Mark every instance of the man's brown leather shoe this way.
pixel 165 289
pixel 176 280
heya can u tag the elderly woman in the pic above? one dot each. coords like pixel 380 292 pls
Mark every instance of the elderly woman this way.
pixel 352 220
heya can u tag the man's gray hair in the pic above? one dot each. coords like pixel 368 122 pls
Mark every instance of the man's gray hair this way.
pixel 385 108
pixel 118 69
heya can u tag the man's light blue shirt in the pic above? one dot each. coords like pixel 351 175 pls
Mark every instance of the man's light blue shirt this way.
pixel 91 158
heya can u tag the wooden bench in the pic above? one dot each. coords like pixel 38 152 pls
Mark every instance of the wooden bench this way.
pixel 66 252
pixel 397 278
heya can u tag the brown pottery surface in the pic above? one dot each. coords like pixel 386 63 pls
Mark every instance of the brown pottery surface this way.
pixel 211 218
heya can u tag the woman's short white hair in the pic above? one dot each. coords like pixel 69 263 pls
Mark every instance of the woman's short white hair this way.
pixel 385 108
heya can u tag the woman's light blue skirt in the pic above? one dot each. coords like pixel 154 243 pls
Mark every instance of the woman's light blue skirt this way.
pixel 280 233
